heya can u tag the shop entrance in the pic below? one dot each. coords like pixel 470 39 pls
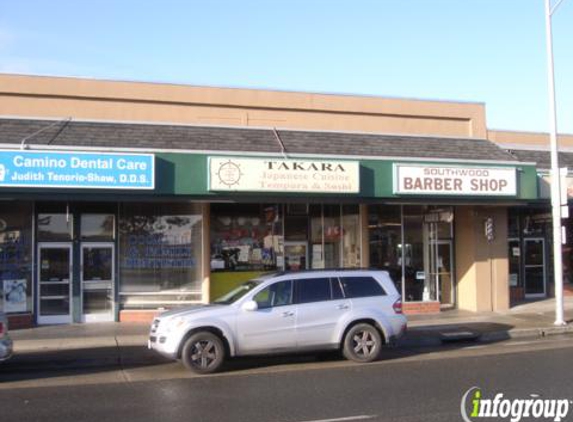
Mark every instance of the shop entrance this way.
pixel 441 270
pixel 439 282
pixel 55 269
pixel 75 262
pixel 534 267
pixel 97 281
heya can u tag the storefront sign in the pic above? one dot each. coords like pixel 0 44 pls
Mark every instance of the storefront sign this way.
pixel 278 175
pixel 82 170
pixel 454 180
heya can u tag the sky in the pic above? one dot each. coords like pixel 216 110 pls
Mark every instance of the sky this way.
pixel 485 51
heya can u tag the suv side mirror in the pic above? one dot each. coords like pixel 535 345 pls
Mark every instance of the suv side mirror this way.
pixel 250 306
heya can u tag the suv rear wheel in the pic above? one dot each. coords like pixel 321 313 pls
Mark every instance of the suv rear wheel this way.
pixel 362 343
pixel 203 353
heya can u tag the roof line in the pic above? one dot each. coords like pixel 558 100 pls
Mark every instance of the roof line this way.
pixel 269 128
pixel 43 147
pixel 528 147
pixel 244 88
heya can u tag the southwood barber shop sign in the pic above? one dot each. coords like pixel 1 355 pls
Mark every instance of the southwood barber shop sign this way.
pixel 454 180
pixel 280 175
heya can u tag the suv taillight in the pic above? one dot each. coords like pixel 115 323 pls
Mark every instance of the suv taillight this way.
pixel 2 329
pixel 397 306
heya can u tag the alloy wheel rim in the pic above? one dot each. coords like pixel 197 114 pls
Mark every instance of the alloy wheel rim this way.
pixel 364 343
pixel 203 354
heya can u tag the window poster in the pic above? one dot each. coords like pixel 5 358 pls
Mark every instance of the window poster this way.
pixel 14 295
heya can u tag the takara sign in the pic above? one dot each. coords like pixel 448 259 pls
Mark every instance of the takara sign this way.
pixel 279 175
pixel 82 170
pixel 454 180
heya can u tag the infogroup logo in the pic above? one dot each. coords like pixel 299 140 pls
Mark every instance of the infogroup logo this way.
pixel 475 406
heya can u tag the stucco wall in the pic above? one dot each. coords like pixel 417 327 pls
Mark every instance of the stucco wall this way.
pixel 481 266
pixel 55 97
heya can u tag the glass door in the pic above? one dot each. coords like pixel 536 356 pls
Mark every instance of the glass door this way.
pixel 439 281
pixel 296 256
pixel 534 264
pixel 444 272
pixel 97 280
pixel 514 254
pixel 54 281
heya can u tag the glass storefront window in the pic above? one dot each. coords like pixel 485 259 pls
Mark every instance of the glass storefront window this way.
pixel 414 244
pixel 97 227
pixel 55 227
pixel 315 236
pixel 160 249
pixel 332 230
pixel 246 237
pixel 385 233
pixel 16 257
pixel 413 255
pixel 351 236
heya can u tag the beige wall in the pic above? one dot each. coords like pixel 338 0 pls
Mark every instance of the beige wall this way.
pixel 55 97
pixel 481 267
pixel 528 139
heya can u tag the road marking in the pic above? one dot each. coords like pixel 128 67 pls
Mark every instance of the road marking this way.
pixel 347 418
pixel 520 343
pixel 481 346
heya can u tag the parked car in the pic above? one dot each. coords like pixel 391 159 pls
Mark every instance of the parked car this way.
pixel 5 340
pixel 354 311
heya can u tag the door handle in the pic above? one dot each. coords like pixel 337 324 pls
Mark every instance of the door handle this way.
pixel 288 314
pixel 343 306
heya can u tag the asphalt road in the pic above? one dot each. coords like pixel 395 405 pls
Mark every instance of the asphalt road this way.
pixel 426 385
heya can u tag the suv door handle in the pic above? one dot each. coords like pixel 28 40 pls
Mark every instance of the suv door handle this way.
pixel 288 314
pixel 342 306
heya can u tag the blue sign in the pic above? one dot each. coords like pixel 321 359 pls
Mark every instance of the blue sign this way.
pixel 81 170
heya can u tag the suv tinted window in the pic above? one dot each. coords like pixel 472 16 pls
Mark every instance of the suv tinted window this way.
pixel 312 290
pixel 361 287
pixel 278 294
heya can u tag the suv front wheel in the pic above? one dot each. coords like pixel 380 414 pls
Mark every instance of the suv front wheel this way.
pixel 362 343
pixel 203 353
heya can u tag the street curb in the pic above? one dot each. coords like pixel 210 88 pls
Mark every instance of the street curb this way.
pixel 521 333
pixel 422 337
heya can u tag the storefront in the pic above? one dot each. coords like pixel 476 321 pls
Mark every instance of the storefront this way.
pixel 103 233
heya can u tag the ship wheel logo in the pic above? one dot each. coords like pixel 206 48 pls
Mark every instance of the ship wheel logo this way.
pixel 229 173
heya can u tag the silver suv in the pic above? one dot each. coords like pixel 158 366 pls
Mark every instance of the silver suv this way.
pixel 5 341
pixel 355 311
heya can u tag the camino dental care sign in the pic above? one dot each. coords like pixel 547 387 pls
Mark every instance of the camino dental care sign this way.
pixel 82 170
pixel 454 180
pixel 280 175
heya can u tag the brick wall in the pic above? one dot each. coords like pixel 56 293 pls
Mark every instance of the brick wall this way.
pixel 138 316
pixel 516 294
pixel 414 308
pixel 20 321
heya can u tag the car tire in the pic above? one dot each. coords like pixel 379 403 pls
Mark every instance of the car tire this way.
pixel 203 353
pixel 362 343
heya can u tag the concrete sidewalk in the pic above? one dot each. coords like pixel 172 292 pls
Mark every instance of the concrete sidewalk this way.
pixel 125 344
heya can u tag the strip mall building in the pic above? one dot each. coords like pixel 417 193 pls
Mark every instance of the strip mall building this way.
pixel 118 199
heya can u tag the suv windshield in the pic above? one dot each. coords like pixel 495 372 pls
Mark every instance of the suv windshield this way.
pixel 237 292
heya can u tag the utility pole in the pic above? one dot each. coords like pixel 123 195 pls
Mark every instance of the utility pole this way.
pixel 555 174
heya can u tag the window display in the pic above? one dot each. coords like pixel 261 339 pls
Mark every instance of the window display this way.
pixel 414 244
pixel 246 237
pixel 293 237
pixel 16 258
pixel 160 251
